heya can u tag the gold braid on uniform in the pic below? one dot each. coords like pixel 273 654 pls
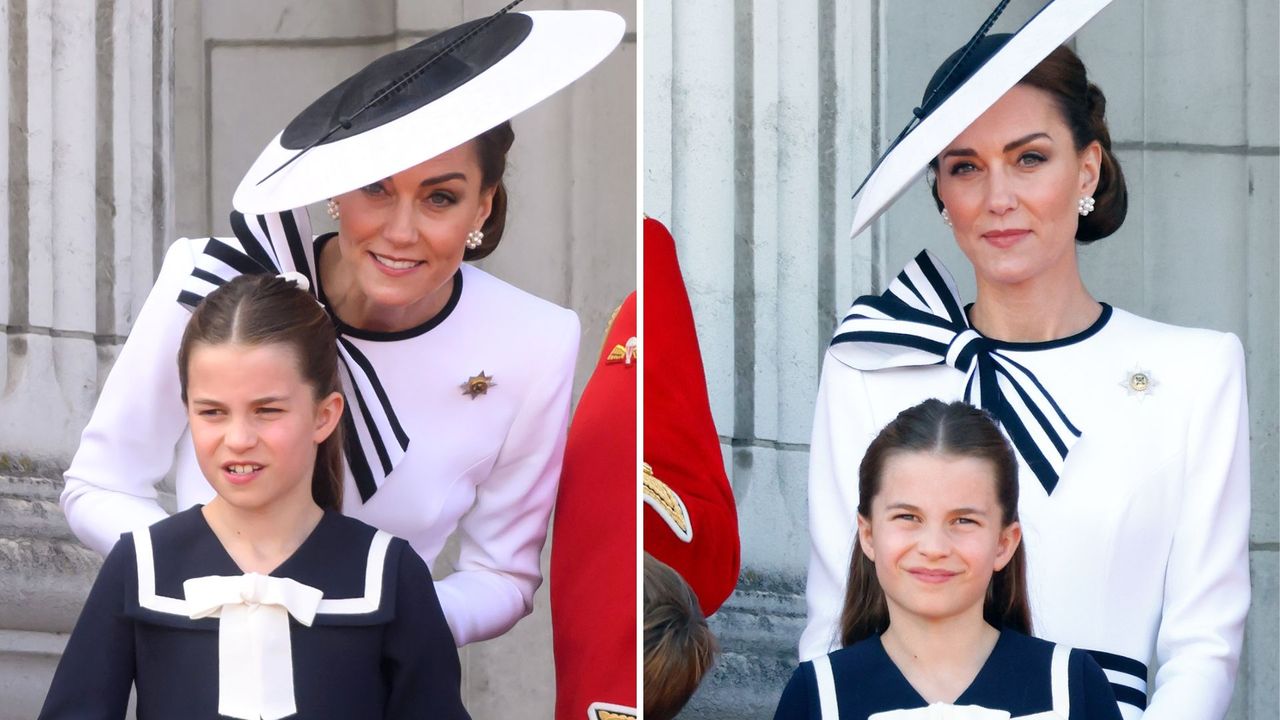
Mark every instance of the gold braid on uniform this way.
pixel 660 493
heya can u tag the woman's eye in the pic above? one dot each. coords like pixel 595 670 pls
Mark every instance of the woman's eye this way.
pixel 441 199
pixel 1030 159
pixel 374 189
pixel 962 168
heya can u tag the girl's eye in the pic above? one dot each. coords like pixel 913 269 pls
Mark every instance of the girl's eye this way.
pixel 905 516
pixel 966 521
pixel 209 412
pixel 270 410
pixel 1030 159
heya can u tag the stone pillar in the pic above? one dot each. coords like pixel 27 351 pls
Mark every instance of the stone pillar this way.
pixel 86 165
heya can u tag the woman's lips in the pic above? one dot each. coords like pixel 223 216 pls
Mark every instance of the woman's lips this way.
pixel 394 266
pixel 932 576
pixel 1005 238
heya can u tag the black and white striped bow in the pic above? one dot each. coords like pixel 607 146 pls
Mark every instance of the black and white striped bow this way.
pixel 919 321
pixel 281 242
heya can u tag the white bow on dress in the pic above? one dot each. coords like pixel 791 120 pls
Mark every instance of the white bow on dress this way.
pixel 255 656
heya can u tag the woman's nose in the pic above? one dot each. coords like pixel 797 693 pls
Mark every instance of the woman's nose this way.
pixel 1001 195
pixel 399 226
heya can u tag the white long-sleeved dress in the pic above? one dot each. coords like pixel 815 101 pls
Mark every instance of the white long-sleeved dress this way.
pixel 486 466
pixel 1140 553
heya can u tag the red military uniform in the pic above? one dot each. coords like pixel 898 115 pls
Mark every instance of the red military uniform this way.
pixel 690 519
pixel 593 544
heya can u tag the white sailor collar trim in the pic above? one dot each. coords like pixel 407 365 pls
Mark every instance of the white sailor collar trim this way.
pixel 367 608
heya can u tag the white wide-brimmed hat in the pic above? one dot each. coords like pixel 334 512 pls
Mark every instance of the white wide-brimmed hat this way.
pixel 966 85
pixel 414 104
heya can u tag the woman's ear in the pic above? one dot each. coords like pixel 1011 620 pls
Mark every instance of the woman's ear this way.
pixel 1090 168
pixel 328 413
pixel 864 538
pixel 486 205
pixel 1008 542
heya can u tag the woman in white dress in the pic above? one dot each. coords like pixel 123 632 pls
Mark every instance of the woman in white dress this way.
pixel 1132 434
pixel 458 384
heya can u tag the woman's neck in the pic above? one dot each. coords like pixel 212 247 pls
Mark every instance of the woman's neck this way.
pixel 357 310
pixel 1045 309
pixel 260 539
pixel 940 658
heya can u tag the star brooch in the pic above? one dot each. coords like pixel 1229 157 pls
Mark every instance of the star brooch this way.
pixel 477 385
pixel 1138 382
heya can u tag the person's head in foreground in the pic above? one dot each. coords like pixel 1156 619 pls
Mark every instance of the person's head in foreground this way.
pixel 938 534
pixel 678 646
pixel 258 371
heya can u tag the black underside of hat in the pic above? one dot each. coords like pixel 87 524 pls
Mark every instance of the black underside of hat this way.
pixel 339 107
pixel 949 76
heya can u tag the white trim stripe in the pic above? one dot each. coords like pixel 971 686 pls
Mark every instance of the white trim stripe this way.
pixel 1119 677
pixel 147 596
pixel 826 688
pixel 1059 676
pixel 373 571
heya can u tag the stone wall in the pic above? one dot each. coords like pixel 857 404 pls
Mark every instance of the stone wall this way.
pixel 761 117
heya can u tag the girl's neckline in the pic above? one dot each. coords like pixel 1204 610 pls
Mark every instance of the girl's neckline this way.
pixel 326 518
pixel 962 698
pixel 362 334
pixel 1103 318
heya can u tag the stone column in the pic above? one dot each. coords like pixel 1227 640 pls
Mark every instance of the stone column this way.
pixel 86 166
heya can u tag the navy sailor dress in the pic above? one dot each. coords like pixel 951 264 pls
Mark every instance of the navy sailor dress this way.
pixel 1024 676
pixel 356 612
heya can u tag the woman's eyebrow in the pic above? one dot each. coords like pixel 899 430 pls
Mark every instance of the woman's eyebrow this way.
pixel 969 152
pixel 442 178
pixel 1027 139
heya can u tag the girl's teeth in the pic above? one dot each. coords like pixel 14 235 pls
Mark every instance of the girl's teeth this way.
pixel 395 264
pixel 242 469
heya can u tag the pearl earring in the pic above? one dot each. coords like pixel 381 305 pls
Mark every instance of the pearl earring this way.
pixel 1085 205
pixel 474 238
pixel 333 209
pixel 946 217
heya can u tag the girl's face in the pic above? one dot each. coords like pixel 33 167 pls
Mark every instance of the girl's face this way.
pixel 1011 183
pixel 402 238
pixel 935 535
pixel 255 423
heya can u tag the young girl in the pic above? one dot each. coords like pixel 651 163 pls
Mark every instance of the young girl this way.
pixel 265 603
pixel 935 621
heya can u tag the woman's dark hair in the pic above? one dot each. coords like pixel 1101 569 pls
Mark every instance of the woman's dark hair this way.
pixel 266 310
pixel 959 430
pixel 1083 108
pixel 491 150
pixel 678 646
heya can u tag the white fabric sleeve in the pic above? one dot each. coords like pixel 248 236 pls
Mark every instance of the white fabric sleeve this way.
pixel 841 432
pixel 128 446
pixel 1206 587
pixel 501 537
